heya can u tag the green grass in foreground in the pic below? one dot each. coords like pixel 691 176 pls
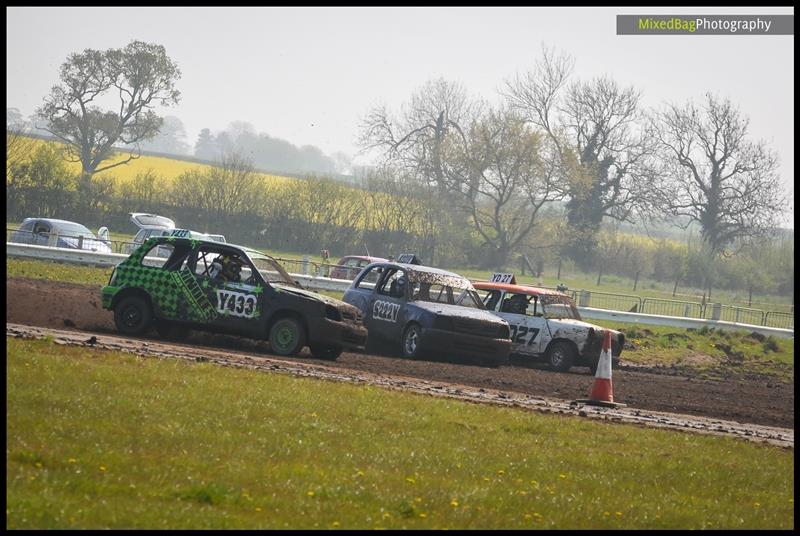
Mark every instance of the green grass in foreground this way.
pixel 106 440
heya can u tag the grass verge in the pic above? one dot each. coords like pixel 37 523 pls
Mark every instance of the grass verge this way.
pixel 105 440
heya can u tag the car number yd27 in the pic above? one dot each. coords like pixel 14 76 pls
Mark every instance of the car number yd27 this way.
pixel 518 334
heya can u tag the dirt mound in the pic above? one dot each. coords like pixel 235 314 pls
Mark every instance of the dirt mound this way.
pixel 748 399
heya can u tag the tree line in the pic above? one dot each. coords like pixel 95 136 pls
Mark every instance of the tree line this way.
pixel 546 167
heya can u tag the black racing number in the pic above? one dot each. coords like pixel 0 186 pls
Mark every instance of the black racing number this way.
pixel 239 304
pixel 251 304
pixel 534 332
pixel 513 331
pixel 521 332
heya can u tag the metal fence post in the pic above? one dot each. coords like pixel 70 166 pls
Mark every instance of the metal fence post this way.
pixel 716 313
pixel 585 297
pixel 52 240
pixel 305 265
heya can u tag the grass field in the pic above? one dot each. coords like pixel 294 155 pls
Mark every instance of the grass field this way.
pixel 107 440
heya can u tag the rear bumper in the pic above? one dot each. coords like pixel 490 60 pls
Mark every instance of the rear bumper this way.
pixel 452 342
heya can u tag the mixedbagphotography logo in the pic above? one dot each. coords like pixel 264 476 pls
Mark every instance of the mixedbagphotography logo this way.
pixel 705 24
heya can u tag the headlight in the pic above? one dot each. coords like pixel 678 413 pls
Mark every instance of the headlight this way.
pixel 333 313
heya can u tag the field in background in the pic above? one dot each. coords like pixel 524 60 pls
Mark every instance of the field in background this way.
pixel 167 168
pixel 105 440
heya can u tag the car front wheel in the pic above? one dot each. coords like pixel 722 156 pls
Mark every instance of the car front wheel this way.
pixel 561 356
pixel 133 315
pixel 412 337
pixel 287 336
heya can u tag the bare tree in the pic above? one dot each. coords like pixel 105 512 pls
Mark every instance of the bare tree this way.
pixel 140 75
pixel 503 182
pixel 421 138
pixel 598 130
pixel 716 177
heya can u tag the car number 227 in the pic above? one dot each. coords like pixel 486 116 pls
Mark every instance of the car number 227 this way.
pixel 523 334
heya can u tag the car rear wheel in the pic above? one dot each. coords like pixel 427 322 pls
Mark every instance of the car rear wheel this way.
pixel 287 336
pixel 561 356
pixel 412 337
pixel 329 353
pixel 133 315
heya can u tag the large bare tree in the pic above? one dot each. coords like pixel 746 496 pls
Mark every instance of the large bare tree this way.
pixel 718 178
pixel 136 77
pixel 599 132
pixel 715 176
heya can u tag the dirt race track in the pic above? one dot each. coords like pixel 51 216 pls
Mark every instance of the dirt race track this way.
pixel 749 399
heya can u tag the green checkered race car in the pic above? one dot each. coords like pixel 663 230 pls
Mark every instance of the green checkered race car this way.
pixel 211 286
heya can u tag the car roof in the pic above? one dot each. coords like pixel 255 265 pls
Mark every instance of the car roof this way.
pixel 170 239
pixel 53 220
pixel 363 258
pixel 419 268
pixel 517 289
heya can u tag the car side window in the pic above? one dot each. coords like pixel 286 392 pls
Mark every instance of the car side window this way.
pixel 27 226
pixel 369 279
pixel 41 227
pixel 393 283
pixel 490 298
pixel 521 304
pixel 160 261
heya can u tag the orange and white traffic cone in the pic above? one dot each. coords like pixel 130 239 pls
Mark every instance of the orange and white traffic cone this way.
pixel 602 391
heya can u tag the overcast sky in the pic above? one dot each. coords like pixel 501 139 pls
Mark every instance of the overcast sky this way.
pixel 308 75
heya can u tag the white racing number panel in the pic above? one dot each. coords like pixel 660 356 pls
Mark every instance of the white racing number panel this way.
pixel 529 334
pixel 234 303
pixel 384 310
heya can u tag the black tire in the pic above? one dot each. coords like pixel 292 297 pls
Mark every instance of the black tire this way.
pixel 329 353
pixel 172 332
pixel 133 316
pixel 561 356
pixel 410 343
pixel 287 336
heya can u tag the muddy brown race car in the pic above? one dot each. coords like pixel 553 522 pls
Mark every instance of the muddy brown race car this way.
pixel 210 286
pixel 426 311
pixel 546 324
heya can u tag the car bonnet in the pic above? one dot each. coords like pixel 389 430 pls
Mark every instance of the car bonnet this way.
pixel 458 311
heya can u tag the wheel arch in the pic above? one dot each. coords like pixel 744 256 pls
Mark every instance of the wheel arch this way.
pixel 134 291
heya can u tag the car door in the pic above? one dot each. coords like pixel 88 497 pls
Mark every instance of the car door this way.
pixel 386 308
pixel 528 328
pixel 229 305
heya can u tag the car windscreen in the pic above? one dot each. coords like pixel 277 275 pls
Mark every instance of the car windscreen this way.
pixel 72 229
pixel 153 220
pixel 269 268
pixel 559 307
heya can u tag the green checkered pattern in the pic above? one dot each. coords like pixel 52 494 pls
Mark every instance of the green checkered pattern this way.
pixel 177 297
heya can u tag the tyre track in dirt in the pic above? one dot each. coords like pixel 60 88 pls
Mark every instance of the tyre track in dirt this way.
pixel 735 398
pixel 153 349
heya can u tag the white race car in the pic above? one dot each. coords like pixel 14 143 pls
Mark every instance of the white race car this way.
pixel 546 324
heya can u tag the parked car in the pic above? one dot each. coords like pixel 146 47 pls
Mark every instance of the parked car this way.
pixel 546 324
pixel 58 233
pixel 422 310
pixel 155 225
pixel 350 266
pixel 185 292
